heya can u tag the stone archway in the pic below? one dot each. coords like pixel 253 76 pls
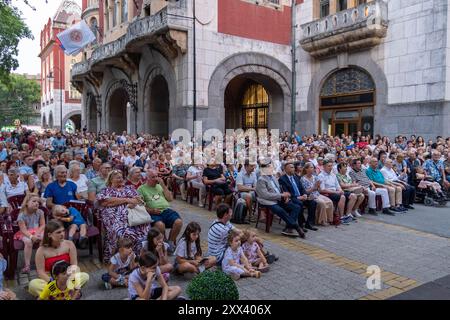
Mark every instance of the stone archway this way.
pixel 157 109
pixel 257 67
pixel 44 121
pixel 383 123
pixel 262 113
pixel 116 115
pixel 75 116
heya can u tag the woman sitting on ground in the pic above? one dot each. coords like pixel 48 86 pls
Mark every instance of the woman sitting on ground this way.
pixel 54 248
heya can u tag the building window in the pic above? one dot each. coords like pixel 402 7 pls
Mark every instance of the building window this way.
pixel 324 8
pixel 255 107
pixel 342 5
pixel 106 15
pixel 124 11
pixel 115 13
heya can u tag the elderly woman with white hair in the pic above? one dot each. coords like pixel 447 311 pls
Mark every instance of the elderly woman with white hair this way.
pixel 79 179
pixel 13 185
pixel 134 178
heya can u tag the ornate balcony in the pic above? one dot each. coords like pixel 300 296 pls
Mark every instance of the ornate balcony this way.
pixel 164 30
pixel 350 30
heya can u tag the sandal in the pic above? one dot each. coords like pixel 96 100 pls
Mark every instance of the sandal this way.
pixel 26 269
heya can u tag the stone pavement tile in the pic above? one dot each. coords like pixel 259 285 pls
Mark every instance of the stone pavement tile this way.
pixel 428 291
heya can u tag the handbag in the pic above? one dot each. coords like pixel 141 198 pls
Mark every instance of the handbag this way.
pixel 138 215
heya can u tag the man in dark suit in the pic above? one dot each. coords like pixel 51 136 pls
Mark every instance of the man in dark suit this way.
pixel 290 182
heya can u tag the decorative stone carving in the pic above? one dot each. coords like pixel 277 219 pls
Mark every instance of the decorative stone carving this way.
pixel 349 30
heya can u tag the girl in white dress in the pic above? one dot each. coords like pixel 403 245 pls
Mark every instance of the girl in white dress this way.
pixel 234 262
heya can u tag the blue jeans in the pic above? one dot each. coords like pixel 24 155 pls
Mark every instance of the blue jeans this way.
pixel 288 212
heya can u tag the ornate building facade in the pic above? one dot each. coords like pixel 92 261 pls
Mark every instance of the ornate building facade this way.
pixel 60 100
pixel 373 66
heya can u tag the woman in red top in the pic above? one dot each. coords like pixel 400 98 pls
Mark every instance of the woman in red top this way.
pixel 135 178
pixel 54 248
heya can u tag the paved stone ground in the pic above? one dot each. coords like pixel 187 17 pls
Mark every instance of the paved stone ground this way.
pixel 329 264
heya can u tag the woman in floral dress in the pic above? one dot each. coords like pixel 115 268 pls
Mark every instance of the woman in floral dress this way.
pixel 114 201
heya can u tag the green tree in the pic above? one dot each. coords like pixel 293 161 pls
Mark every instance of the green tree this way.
pixel 12 30
pixel 17 99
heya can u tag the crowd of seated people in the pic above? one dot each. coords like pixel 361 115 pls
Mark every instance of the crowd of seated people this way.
pixel 311 183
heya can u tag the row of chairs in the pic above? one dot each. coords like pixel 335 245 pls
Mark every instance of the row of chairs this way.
pixel 9 226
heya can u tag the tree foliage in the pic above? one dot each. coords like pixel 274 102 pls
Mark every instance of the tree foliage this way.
pixel 12 30
pixel 17 98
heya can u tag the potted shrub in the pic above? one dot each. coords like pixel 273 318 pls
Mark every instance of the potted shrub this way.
pixel 212 286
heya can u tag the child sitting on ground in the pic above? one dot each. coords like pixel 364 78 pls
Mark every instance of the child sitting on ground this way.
pixel 122 264
pixel 189 259
pixel 31 222
pixel 147 283
pixel 5 294
pixel 156 245
pixel 73 220
pixel 253 251
pixel 234 262
pixel 58 289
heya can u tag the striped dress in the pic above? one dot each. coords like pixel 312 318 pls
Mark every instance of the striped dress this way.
pixel 115 222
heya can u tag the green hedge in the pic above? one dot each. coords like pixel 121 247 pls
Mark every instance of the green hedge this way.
pixel 212 286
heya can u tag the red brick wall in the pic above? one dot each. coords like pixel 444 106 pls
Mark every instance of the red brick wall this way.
pixel 248 20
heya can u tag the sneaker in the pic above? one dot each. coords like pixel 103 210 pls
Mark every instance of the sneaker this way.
pixel 373 212
pixel 389 212
pixel 289 233
pixel 357 214
pixel 410 207
pixel 200 205
pixel 108 286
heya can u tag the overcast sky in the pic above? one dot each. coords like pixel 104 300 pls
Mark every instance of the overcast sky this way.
pixel 29 49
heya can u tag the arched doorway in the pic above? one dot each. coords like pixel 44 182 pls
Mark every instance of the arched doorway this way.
pixel 117 117
pixel 44 121
pixel 158 110
pixel 50 120
pixel 253 101
pixel 92 121
pixel 347 101
pixel 76 121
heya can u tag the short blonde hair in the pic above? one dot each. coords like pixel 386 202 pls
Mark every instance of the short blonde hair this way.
pixel 42 171
pixel 111 175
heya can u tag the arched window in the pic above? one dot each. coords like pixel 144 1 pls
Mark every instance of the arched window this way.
pixel 124 11
pixel 255 106
pixel 94 26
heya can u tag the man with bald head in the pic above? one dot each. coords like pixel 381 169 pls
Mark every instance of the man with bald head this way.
pixel 157 197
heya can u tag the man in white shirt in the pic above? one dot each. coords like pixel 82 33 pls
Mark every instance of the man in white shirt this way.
pixel 194 177
pixel 246 184
pixel 131 159
pixel 408 192
pixel 329 187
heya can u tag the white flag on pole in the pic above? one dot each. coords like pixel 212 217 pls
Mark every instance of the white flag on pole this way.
pixel 76 38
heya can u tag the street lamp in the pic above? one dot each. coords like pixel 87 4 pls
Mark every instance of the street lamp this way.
pixel 51 77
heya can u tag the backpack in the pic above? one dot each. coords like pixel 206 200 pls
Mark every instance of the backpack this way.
pixel 239 212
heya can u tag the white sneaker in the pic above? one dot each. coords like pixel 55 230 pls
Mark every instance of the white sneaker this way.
pixel 200 205
pixel 357 214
